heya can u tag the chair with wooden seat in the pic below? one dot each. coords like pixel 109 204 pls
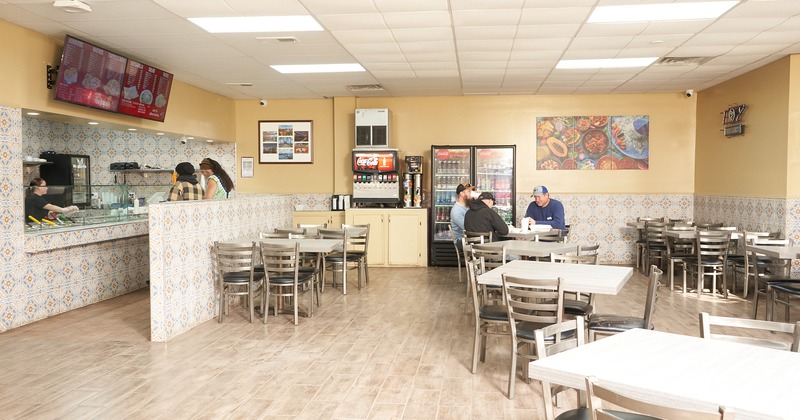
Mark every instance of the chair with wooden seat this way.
pixel 282 269
pixel 490 320
pixel 236 274
pixel 532 304
pixel 577 303
pixel 793 330
pixel 597 394
pixel 608 324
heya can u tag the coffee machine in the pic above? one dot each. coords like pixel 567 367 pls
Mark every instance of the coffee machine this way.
pixel 412 182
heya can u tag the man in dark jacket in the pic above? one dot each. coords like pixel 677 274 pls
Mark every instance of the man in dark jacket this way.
pixel 481 218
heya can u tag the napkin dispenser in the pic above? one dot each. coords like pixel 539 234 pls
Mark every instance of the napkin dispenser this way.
pixel 341 202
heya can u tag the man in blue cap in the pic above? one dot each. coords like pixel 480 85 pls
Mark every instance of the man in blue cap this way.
pixel 544 210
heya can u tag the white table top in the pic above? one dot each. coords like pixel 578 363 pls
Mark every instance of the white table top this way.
pixel 683 371
pixel 350 231
pixel 602 279
pixel 533 249
pixel 306 244
pixel 777 251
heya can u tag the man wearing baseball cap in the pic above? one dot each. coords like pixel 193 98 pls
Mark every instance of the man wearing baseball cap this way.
pixel 481 217
pixel 464 192
pixel 544 210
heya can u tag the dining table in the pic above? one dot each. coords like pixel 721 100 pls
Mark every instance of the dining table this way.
pixel 683 371
pixel 532 248
pixel 777 251
pixel 584 278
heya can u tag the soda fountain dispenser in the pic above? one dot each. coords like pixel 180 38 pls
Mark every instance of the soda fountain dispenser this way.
pixel 376 177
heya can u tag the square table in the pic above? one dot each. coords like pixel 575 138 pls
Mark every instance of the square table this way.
pixel 585 278
pixel 777 251
pixel 683 371
pixel 531 248
pixel 306 244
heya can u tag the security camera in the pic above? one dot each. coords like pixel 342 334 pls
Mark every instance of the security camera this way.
pixel 183 140
pixel 262 102
pixel 689 93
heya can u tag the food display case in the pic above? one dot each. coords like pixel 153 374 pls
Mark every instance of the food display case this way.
pixel 489 168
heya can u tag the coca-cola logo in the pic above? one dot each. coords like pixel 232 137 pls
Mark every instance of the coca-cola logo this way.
pixel 367 161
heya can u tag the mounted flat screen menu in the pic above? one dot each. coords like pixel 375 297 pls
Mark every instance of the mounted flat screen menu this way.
pixel 90 75
pixel 145 92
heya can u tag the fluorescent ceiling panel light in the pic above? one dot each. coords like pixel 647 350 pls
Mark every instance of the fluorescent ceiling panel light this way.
pixel 606 63
pixel 257 24
pixel 660 12
pixel 318 68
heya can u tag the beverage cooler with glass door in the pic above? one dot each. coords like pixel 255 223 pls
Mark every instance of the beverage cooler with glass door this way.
pixel 70 174
pixel 489 168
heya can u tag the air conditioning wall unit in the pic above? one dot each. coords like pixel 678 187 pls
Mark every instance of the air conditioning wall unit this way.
pixel 372 128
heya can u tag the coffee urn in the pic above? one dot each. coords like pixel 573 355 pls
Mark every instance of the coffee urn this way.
pixel 412 182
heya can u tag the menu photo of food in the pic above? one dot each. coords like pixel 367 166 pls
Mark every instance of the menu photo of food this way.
pixel 592 142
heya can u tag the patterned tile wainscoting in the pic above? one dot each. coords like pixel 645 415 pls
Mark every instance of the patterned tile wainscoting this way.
pixel 182 289
pixel 602 218
pixel 312 202
pixel 34 286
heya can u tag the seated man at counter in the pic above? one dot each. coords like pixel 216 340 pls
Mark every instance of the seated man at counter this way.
pixel 36 206
pixel 186 186
pixel 544 210
pixel 464 192
pixel 481 218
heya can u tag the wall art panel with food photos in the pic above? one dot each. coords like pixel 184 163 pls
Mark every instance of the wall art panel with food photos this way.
pixel 285 142
pixel 593 142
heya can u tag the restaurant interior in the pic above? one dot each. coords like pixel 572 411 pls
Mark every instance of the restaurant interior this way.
pixel 120 320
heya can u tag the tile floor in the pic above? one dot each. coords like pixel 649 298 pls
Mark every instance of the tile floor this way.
pixel 400 348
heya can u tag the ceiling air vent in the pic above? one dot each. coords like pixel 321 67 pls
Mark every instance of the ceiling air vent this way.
pixel 278 39
pixel 365 88
pixel 683 61
pixel 245 84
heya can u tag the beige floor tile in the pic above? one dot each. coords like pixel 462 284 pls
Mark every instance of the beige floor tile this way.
pixel 383 411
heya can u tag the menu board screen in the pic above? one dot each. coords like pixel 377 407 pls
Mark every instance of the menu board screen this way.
pixel 89 75
pixel 145 91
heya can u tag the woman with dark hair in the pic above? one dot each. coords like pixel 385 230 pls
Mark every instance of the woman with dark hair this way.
pixel 218 183
pixel 36 206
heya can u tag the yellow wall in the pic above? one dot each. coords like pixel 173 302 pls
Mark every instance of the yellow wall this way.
pixel 793 153
pixel 755 164
pixel 285 178
pixel 192 111
pixel 419 122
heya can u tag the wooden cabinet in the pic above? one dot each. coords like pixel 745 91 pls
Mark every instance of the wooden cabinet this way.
pixel 333 219
pixel 397 237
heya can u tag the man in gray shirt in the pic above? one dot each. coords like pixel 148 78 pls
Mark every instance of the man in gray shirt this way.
pixel 463 195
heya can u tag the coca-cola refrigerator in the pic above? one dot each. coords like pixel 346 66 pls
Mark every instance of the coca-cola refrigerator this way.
pixel 489 168
pixel 376 177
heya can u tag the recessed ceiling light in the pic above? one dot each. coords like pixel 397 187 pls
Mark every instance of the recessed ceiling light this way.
pixel 189 138
pixel 318 68
pixel 210 141
pixel 131 129
pixel 32 113
pixel 159 134
pixel 257 24
pixel 660 12
pixel 606 63
pixel 93 123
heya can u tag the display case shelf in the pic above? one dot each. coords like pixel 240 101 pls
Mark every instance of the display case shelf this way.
pixel 30 166
pixel 143 172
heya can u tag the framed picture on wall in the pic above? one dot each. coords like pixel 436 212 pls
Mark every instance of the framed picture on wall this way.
pixel 285 142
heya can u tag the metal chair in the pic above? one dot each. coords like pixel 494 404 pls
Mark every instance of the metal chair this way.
pixel 359 245
pixel 490 320
pixel 711 259
pixel 608 324
pixel 640 243
pixel 312 228
pixel 707 321
pixel 577 303
pixel 597 394
pixel 341 261
pixel 532 304
pixel 489 258
pixel 282 269
pixel 549 341
pixel 656 243
pixel 679 251
pixel 458 253
pixel 235 269
pixel 287 232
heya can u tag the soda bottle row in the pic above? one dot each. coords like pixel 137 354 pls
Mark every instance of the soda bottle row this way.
pixel 445 197
pixel 441 232
pixel 453 166
pixel 448 182
pixel 442 214
pixel 489 183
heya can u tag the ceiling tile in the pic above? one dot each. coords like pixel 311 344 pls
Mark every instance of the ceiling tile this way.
pixel 327 7
pixel 548 31
pixel 382 36
pixel 484 32
pixel 390 6
pixel 548 16
pixel 501 17
pixel 403 20
pixel 423 34
pixel 352 22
